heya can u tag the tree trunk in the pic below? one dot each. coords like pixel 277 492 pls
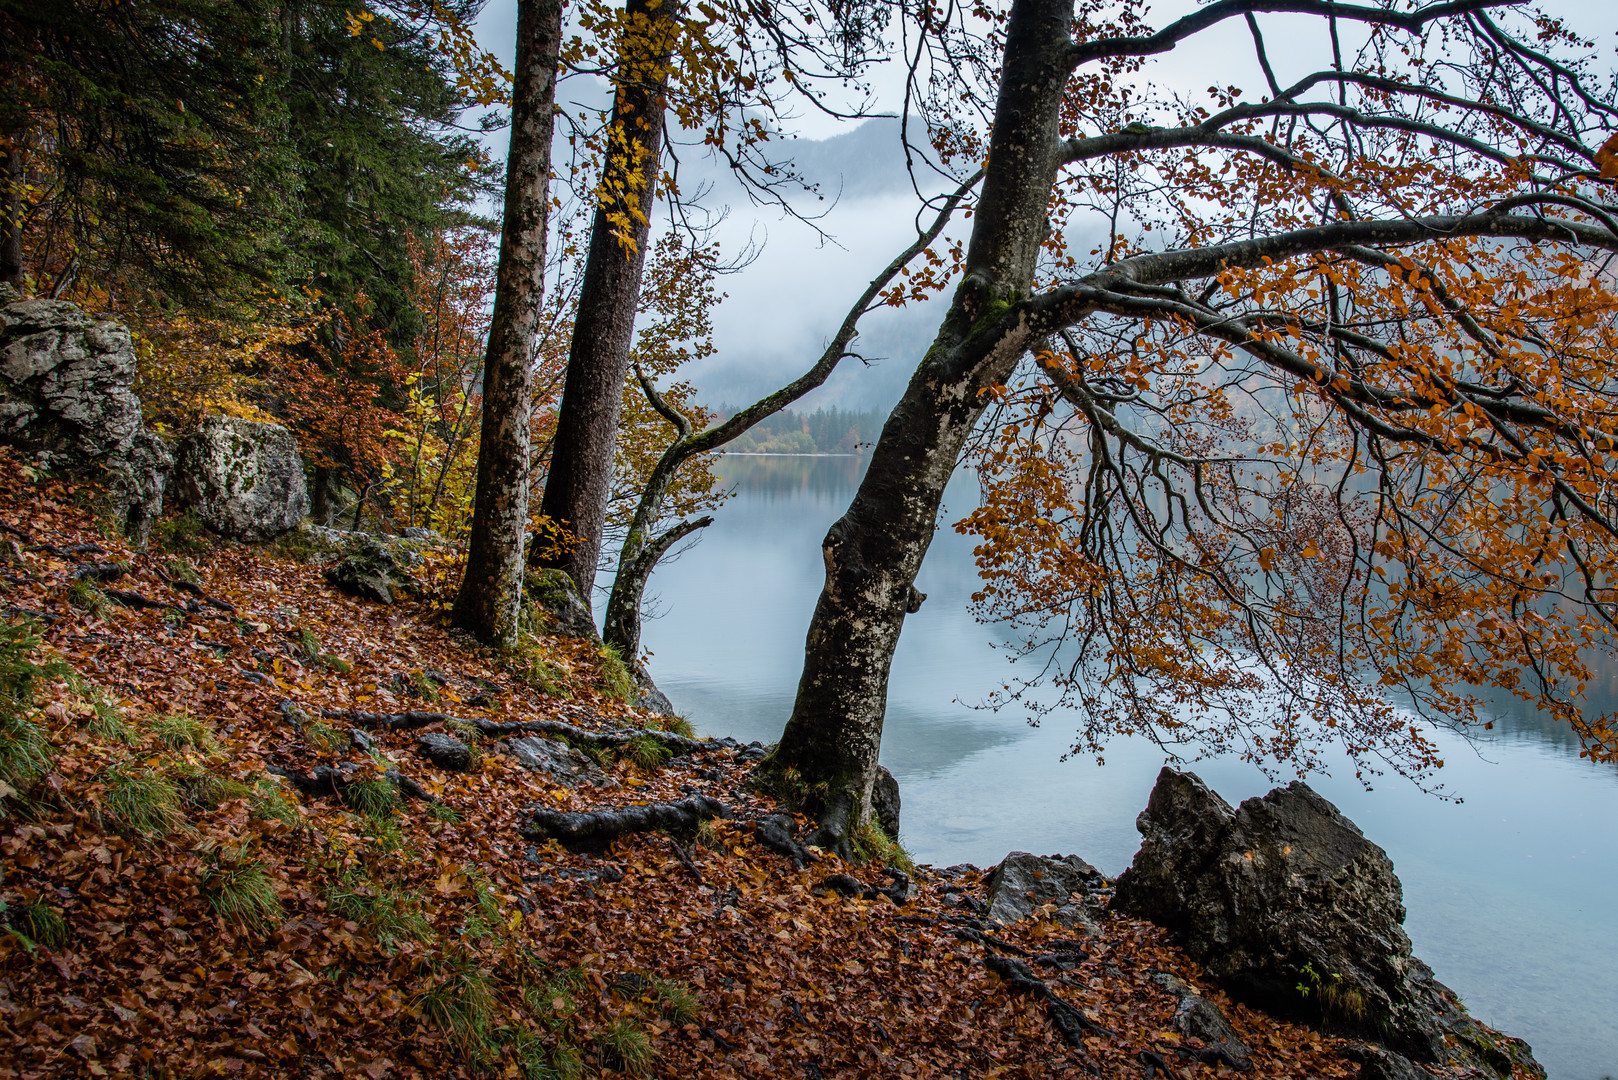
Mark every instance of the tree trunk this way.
pixel 11 268
pixel 490 597
pixel 579 484
pixel 323 496
pixel 826 760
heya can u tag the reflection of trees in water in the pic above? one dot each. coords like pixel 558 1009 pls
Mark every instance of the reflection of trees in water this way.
pixel 1518 720
pixel 778 478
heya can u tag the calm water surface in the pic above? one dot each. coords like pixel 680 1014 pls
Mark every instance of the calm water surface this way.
pixel 1512 894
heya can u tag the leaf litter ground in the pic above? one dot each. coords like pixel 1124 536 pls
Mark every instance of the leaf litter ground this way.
pixel 242 928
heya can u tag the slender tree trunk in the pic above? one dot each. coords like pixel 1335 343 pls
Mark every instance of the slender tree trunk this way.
pixel 827 757
pixel 489 601
pixel 324 496
pixel 579 484
pixel 11 267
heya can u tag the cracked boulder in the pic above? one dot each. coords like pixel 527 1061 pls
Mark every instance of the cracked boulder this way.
pixel 373 569
pixel 560 762
pixel 1287 904
pixel 243 478
pixel 1057 887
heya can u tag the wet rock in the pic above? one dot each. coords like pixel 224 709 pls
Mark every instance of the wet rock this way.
pixel 66 390
pixel 1288 905
pixel 557 760
pixel 647 695
pixel 244 479
pixel 445 751
pixel 1379 1064
pixel 1198 1018
pixel 885 801
pixel 554 598
pixel 372 570
pixel 1023 884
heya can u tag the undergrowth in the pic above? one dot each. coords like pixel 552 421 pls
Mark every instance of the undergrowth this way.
pixel 141 801
pixel 615 674
pixel 873 845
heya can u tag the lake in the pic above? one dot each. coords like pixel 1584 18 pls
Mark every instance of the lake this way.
pixel 1512 893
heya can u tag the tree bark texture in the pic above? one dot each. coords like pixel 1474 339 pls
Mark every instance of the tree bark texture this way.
pixel 578 487
pixel 491 592
pixel 826 761
pixel 11 267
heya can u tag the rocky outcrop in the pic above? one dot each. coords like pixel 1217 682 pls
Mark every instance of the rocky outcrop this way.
pixel 551 596
pixel 1062 888
pixel 374 569
pixel 66 390
pixel 1287 904
pixel 446 751
pixel 243 478
pixel 885 801
pixel 560 762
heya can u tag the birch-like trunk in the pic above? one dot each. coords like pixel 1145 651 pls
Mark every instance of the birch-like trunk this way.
pixel 826 760
pixel 488 604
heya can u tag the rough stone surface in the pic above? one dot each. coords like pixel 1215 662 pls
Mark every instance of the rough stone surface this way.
pixel 66 390
pixel 552 592
pixel 885 801
pixel 561 762
pixel 1379 1064
pixel 1286 891
pixel 373 570
pixel 1024 883
pixel 445 751
pixel 244 479
pixel 1196 1017
pixel 647 695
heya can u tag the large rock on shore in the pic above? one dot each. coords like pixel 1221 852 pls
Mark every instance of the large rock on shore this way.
pixel 1287 904
pixel 66 390
pixel 243 478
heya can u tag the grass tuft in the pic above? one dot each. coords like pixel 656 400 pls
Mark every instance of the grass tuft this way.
pixel 375 798
pixel 872 845
pixel 679 725
pixel 615 674
pixel 626 1047
pixel 205 790
pixel 87 598
pixel 142 802
pixel 324 738
pixel 108 721
pixel 444 812
pixel 269 803
pixel 388 915
pixel 528 662
pixel 646 752
pixel 467 733
pixel 461 1005
pixel 39 923
pixel 181 731
pixel 25 755
pixel 240 890
pixel 181 534
pixel 675 1000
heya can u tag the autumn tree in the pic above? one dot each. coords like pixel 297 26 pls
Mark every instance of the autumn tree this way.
pixel 1323 422
pixel 489 599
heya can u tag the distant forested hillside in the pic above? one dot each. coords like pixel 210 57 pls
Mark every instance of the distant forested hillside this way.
pixel 824 431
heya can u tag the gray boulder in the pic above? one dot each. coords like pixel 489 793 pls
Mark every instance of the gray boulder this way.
pixel 373 569
pixel 446 751
pixel 557 760
pixel 1288 905
pixel 885 801
pixel 66 390
pixel 1023 884
pixel 243 478
pixel 553 597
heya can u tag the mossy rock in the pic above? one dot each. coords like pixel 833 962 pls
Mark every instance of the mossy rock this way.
pixel 553 595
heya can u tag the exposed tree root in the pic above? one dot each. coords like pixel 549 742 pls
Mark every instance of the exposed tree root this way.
pixel 333 781
pixel 593 830
pixel 406 721
pixel 1069 1020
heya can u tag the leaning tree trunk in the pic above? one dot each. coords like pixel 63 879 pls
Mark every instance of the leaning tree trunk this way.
pixel 580 479
pixel 827 757
pixel 491 592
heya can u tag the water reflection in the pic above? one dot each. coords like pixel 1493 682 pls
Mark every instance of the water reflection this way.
pixel 1510 892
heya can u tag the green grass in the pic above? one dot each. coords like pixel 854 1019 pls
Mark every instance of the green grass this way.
pixel 25 754
pixel 108 721
pixel 675 1000
pixel 142 801
pixel 269 803
pixel 180 534
pixel 375 798
pixel 626 1047
pixel 38 924
pixel 181 731
pixel 425 687
pixel 444 812
pixel 467 733
pixel 388 915
pixel 615 674
pixel 527 661
pixel 324 738
pixel 679 725
pixel 239 889
pixel 872 845
pixel 202 789
pixel 461 1004
pixel 646 752
pixel 183 569
pixel 87 598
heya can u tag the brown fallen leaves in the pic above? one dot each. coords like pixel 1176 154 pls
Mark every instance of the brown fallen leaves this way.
pixel 432 942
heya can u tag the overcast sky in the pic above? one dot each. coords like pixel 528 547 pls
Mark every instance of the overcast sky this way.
pixel 781 309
